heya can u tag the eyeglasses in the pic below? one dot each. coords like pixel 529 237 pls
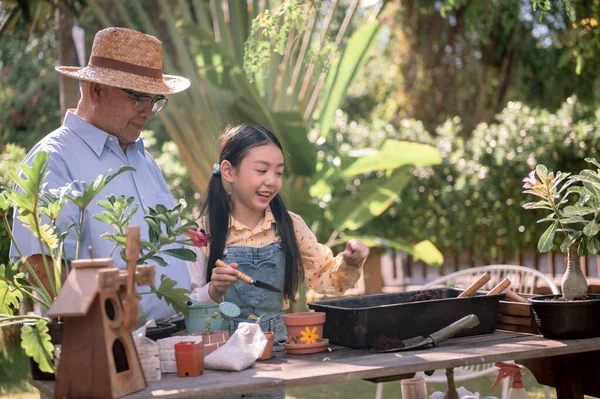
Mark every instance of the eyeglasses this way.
pixel 144 101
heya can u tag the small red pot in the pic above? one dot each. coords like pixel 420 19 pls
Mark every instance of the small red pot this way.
pixel 268 352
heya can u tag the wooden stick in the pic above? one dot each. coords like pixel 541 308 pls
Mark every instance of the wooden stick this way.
pixel 502 285
pixel 481 281
pixel 514 297
pixel 241 276
pixel 132 253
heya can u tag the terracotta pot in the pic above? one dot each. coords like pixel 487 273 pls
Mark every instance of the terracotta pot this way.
pixel 304 327
pixel 305 349
pixel 268 352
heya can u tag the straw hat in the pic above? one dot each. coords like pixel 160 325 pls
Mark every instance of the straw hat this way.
pixel 127 59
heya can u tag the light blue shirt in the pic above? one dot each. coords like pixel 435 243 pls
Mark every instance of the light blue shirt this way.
pixel 79 151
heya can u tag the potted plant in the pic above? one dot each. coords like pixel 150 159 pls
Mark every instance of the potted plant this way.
pixel 573 206
pixel 269 335
pixel 39 210
pixel 213 339
pixel 305 332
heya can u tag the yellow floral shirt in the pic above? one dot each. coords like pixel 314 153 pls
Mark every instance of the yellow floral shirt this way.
pixel 325 273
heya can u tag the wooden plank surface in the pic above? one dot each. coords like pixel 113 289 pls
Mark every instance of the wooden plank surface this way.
pixel 343 364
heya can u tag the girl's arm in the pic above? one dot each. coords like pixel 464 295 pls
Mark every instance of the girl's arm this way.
pixel 199 287
pixel 326 274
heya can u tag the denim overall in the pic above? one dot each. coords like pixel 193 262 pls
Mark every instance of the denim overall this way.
pixel 267 265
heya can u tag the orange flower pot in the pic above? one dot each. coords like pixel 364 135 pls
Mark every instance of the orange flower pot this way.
pixel 190 359
pixel 304 327
pixel 268 352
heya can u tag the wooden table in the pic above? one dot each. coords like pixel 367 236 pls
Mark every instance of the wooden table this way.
pixel 571 365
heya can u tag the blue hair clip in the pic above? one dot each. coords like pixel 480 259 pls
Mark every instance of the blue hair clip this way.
pixel 216 169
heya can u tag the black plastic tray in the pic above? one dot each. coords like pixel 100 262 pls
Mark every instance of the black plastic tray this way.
pixel 357 322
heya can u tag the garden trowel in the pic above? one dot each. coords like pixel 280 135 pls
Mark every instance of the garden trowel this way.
pixel 249 280
pixel 435 338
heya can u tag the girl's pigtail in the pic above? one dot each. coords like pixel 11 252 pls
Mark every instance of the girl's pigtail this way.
pixel 294 271
pixel 216 208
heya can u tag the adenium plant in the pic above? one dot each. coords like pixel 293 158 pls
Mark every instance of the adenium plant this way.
pixel 572 203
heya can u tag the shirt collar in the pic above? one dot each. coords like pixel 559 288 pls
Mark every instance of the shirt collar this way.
pixel 94 137
pixel 264 224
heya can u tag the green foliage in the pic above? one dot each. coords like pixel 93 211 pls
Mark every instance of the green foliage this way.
pixel 29 98
pixel 163 229
pixel 10 159
pixel 10 297
pixel 269 33
pixel 36 342
pixel 176 297
pixel 574 215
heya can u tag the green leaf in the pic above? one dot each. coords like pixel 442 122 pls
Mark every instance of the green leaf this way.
pixel 591 229
pixel 393 155
pixel 428 253
pixel 176 297
pixel 375 196
pixel 546 240
pixel 181 253
pixel 354 57
pixel 575 210
pixel 293 135
pixel 37 345
pixel 571 238
pixel 593 161
pixel 593 245
pixel 187 226
pixel 542 172
pixel 10 298
pixel 160 261
pixel 537 205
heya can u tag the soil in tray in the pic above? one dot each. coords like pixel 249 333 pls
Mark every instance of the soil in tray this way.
pixel 561 299
pixel 384 343
pixel 427 295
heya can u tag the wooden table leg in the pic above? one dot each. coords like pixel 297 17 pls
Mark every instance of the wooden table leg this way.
pixel 573 376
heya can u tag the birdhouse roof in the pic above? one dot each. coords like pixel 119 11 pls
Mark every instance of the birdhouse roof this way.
pixel 77 294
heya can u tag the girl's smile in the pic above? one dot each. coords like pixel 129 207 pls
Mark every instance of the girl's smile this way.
pixel 255 182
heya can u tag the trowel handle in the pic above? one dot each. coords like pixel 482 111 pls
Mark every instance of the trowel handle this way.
pixel 476 285
pixel 502 285
pixel 241 276
pixel 466 322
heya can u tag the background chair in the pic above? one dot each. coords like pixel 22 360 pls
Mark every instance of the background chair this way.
pixel 524 280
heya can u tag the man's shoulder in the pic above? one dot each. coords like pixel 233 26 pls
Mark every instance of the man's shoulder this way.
pixel 56 140
pixel 54 143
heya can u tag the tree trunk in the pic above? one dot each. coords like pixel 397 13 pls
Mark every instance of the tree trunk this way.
pixel 574 284
pixel 69 91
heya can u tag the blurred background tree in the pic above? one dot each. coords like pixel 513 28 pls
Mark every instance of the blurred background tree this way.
pixel 488 84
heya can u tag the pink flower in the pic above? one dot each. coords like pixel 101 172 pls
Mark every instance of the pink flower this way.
pixel 530 180
pixel 199 237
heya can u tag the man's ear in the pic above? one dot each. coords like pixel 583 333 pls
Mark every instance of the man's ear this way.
pixel 94 91
pixel 227 171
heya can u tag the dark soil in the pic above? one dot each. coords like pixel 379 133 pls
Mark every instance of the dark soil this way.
pixel 428 295
pixel 561 299
pixel 384 343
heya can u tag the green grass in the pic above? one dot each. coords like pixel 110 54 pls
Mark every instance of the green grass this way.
pixel 14 366
pixel 365 389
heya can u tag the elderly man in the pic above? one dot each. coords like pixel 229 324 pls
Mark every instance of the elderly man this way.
pixel 122 88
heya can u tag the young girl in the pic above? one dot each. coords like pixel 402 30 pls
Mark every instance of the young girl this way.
pixel 251 229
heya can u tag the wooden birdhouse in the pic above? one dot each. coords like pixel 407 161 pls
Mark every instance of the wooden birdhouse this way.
pixel 99 305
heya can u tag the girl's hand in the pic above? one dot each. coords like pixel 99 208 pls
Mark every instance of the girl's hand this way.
pixel 356 252
pixel 222 279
